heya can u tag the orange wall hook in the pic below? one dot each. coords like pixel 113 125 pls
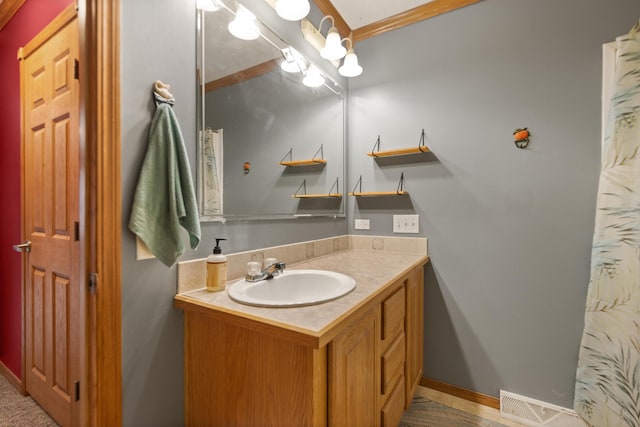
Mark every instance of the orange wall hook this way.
pixel 521 137
pixel 247 167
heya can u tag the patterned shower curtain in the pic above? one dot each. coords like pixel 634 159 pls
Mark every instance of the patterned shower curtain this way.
pixel 607 389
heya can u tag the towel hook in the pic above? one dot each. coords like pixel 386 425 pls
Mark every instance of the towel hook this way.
pixel 161 93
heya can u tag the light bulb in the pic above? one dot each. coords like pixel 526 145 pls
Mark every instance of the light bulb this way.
pixel 333 48
pixel 293 61
pixel 350 66
pixel 313 78
pixel 292 10
pixel 208 5
pixel 244 25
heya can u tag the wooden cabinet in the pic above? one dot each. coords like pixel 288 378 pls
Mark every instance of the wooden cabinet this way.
pixel 362 371
pixel 353 396
pixel 414 326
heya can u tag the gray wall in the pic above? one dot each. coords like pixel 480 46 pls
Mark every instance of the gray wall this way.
pixel 158 43
pixel 509 229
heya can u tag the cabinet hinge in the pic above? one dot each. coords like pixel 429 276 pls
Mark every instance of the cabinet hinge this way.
pixel 76 230
pixel 93 282
pixel 77 390
pixel 76 69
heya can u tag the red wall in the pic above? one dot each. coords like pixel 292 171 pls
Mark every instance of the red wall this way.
pixel 26 23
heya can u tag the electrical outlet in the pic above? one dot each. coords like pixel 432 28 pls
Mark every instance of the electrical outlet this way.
pixel 362 224
pixel 406 223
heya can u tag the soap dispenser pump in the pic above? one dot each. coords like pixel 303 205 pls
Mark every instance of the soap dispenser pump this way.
pixel 216 269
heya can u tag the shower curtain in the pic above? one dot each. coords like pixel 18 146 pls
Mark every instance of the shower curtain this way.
pixel 607 391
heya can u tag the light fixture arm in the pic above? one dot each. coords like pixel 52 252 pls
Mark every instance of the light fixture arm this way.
pixel 333 24
pixel 349 40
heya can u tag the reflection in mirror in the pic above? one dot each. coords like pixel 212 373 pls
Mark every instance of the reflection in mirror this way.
pixel 271 125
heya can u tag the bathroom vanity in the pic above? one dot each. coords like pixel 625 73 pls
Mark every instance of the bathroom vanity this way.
pixel 354 361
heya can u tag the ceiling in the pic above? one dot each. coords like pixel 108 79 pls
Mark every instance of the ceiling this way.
pixel 367 18
pixel 358 13
pixel 360 19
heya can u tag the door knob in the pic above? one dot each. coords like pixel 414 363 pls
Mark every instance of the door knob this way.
pixel 23 247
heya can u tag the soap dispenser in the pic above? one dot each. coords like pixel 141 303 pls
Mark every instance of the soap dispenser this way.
pixel 216 269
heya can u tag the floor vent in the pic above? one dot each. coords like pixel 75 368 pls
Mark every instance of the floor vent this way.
pixel 531 412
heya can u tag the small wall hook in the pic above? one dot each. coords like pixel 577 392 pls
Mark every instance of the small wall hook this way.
pixel 521 137
pixel 247 167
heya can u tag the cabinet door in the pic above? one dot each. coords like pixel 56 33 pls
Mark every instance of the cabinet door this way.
pixel 414 332
pixel 354 374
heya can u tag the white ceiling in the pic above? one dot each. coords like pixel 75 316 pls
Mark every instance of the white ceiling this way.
pixel 358 13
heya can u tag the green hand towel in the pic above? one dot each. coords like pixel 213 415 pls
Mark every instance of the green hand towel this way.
pixel 164 198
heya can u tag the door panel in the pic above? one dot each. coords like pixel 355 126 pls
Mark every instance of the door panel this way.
pixel 51 208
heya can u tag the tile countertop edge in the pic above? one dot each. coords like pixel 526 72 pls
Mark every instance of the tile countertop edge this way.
pixel 274 321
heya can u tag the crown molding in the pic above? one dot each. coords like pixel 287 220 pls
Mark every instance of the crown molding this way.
pixel 420 13
pixel 8 8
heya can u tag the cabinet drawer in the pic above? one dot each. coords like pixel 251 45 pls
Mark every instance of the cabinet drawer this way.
pixel 393 315
pixel 392 365
pixel 393 409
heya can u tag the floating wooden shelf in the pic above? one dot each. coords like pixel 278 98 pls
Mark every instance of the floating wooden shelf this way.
pixel 315 196
pixel 315 160
pixel 421 148
pixel 399 192
pixel 308 162
pixel 379 193
pixel 399 151
pixel 304 194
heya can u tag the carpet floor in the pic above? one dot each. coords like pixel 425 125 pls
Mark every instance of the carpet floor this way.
pixel 22 411
pixel 17 410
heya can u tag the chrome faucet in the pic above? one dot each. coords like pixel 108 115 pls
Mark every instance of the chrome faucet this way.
pixel 267 273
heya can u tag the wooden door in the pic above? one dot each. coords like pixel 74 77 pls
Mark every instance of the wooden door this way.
pixel 50 217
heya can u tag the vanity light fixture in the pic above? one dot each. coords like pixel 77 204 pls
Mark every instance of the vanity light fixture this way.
pixel 292 10
pixel 293 62
pixel 333 49
pixel 313 77
pixel 350 66
pixel 244 25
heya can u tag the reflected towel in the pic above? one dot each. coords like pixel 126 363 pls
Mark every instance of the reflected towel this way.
pixel 164 198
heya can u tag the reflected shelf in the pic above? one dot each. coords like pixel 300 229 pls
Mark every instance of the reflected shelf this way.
pixel 315 160
pixel 316 196
pixel 308 162
pixel 305 195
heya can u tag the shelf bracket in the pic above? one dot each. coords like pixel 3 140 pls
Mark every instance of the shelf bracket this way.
pixel 335 185
pixel 289 155
pixel 358 185
pixel 400 189
pixel 321 151
pixel 304 188
pixel 376 147
pixel 421 143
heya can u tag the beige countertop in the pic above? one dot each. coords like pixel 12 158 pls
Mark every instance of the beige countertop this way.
pixel 373 271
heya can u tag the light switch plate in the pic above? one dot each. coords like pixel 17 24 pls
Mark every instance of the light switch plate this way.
pixel 362 224
pixel 406 223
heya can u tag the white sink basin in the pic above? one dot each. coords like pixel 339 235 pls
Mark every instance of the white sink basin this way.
pixel 293 288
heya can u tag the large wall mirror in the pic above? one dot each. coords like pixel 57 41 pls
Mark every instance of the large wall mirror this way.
pixel 271 141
